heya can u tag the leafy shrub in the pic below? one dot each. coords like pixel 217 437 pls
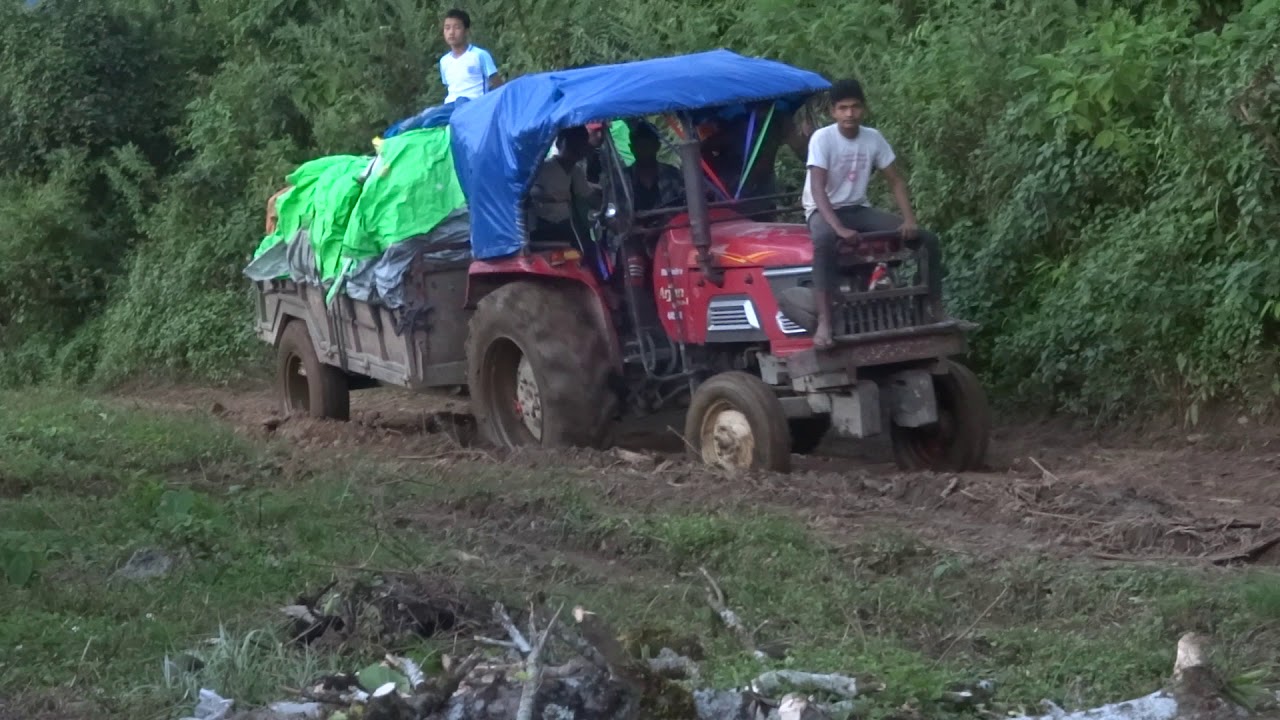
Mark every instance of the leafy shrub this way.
pixel 1103 172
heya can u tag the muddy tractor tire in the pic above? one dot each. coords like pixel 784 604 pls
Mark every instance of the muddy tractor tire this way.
pixel 958 441
pixel 807 433
pixel 308 386
pixel 736 422
pixel 538 369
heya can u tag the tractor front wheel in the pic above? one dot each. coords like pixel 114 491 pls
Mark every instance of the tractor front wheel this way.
pixel 736 422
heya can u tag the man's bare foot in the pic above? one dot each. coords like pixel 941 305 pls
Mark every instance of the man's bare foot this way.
pixel 822 337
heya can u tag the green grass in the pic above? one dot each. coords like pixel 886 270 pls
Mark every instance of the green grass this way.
pixel 102 482
pixel 84 483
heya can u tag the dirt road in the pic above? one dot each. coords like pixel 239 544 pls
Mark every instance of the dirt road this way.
pixel 1166 497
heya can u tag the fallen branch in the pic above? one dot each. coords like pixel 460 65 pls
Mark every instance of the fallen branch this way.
pixel 716 599
pixel 774 681
pixel 951 487
pixel 521 643
pixel 1043 470
pixel 1248 553
pixel 573 668
pixel 631 457
pixel 507 644
pixel 533 669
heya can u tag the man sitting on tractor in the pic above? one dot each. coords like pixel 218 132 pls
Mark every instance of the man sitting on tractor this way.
pixel 654 184
pixel 842 158
pixel 561 178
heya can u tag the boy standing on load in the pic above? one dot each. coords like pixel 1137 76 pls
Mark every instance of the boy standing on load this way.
pixel 842 157
pixel 466 70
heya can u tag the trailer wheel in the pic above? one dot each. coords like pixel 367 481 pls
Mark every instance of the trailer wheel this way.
pixel 958 441
pixel 807 433
pixel 736 422
pixel 308 386
pixel 538 368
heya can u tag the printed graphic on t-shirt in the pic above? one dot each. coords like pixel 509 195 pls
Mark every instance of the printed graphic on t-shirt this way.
pixel 857 164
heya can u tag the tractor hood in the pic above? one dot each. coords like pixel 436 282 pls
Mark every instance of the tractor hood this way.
pixel 745 243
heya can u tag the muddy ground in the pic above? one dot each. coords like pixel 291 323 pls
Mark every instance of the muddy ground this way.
pixel 1151 495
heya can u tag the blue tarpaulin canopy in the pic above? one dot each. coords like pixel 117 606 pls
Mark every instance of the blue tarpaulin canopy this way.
pixel 500 138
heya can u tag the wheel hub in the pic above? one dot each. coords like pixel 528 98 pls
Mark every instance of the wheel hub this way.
pixel 528 400
pixel 297 392
pixel 726 438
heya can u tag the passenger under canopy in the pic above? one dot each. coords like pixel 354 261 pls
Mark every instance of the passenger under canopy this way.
pixel 500 138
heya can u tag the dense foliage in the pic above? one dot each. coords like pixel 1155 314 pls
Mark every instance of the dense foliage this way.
pixel 1106 175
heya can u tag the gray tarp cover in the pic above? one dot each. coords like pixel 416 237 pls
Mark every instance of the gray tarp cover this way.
pixel 379 281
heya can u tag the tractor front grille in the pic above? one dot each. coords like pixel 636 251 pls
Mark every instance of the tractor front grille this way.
pixel 870 314
pixel 730 314
pixel 787 325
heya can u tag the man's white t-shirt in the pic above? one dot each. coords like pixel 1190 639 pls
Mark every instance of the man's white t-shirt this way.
pixel 848 164
pixel 467 75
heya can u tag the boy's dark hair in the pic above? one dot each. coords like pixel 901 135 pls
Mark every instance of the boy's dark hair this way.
pixel 456 14
pixel 577 132
pixel 644 129
pixel 849 89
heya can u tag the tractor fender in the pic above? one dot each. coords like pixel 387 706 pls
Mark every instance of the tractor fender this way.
pixel 568 275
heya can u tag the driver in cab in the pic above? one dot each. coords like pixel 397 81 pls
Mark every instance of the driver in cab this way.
pixel 654 185
pixel 561 179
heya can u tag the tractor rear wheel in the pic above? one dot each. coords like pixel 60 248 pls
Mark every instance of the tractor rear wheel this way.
pixel 308 386
pixel 957 442
pixel 538 368
pixel 736 422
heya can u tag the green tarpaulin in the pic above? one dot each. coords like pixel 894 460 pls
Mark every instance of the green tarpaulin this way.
pixel 321 196
pixel 412 188
pixel 622 140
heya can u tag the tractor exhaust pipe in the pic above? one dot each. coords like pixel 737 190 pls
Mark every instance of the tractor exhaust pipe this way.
pixel 699 216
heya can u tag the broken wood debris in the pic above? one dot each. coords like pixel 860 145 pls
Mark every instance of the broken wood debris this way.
pixel 580 669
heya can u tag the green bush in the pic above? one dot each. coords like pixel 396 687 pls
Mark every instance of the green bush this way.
pixel 1104 173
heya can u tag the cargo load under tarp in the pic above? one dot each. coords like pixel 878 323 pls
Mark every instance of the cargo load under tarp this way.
pixel 321 195
pixel 382 280
pixel 412 187
pixel 359 221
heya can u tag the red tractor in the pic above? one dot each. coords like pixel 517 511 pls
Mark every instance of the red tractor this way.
pixel 708 309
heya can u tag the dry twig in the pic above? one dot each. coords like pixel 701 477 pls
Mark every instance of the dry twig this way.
pixel 533 669
pixel 977 620
pixel 503 617
pixel 1043 470
pixel 716 599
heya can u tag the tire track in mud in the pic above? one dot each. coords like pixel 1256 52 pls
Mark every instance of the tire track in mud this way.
pixel 1161 498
